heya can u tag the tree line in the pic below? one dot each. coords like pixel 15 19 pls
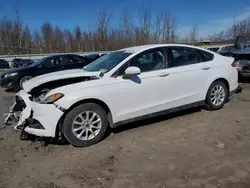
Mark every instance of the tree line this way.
pixel 17 38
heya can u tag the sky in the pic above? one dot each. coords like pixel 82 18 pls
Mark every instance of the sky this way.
pixel 209 16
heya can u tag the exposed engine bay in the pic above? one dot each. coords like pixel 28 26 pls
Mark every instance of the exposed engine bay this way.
pixel 38 93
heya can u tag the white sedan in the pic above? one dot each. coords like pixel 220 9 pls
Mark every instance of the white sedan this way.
pixel 124 86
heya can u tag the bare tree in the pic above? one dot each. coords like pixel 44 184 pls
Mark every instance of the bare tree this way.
pixel 193 36
pixel 47 32
pixel 18 20
pixel 103 21
pixel 126 29
pixel 78 38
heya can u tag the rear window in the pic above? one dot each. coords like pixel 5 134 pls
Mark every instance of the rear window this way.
pixel 206 56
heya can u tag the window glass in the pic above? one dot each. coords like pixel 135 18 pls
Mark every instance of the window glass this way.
pixel 107 62
pixel 184 56
pixel 56 61
pixel 72 60
pixel 150 60
pixel 227 49
pixel 206 56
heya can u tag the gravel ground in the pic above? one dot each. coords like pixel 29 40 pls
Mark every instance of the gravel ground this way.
pixel 195 148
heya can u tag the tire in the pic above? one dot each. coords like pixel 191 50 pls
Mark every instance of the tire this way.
pixel 85 139
pixel 23 79
pixel 218 91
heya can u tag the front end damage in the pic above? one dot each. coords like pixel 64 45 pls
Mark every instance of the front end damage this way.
pixel 35 118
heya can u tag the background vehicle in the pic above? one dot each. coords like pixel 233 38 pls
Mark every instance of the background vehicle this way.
pixel 205 43
pixel 13 79
pixel 15 63
pixel 242 57
pixel 125 86
pixel 26 62
pixel 227 50
pixel 94 57
pixel 213 48
pixel 4 64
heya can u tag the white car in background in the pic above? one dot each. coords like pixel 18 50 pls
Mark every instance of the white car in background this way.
pixel 124 86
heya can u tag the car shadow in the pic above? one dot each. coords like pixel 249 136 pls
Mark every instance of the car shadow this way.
pixel 245 80
pixel 122 128
pixel 10 91
pixel 157 119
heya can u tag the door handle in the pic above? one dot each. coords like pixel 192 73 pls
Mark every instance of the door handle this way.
pixel 164 74
pixel 206 68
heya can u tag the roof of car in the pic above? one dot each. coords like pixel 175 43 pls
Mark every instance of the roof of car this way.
pixel 149 46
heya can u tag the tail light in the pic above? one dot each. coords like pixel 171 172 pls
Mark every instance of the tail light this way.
pixel 234 63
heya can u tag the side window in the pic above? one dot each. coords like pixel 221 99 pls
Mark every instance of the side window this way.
pixel 184 56
pixel 206 56
pixel 150 60
pixel 56 61
pixel 72 60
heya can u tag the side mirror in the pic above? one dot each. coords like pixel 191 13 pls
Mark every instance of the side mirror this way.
pixel 132 71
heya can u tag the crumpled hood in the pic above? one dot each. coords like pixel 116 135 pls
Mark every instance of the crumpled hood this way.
pixel 59 75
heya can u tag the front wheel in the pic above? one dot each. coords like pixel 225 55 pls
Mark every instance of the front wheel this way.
pixel 24 79
pixel 85 125
pixel 217 95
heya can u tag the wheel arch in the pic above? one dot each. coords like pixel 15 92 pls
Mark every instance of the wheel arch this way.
pixel 225 81
pixel 89 100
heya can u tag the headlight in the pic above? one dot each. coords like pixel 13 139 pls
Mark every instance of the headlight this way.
pixel 10 75
pixel 52 98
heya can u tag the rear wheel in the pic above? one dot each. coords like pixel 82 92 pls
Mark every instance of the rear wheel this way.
pixel 85 125
pixel 217 95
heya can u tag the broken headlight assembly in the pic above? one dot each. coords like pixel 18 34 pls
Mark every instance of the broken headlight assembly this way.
pixel 42 98
pixel 51 99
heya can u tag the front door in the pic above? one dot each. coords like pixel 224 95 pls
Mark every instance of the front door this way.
pixel 142 94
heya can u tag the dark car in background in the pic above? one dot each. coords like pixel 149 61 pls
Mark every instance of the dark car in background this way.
pixel 242 57
pixel 4 64
pixel 15 63
pixel 26 62
pixel 93 57
pixel 227 50
pixel 14 78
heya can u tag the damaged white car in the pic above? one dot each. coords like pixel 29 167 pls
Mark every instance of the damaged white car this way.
pixel 121 87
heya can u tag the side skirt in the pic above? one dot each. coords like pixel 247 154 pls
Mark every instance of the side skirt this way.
pixel 148 116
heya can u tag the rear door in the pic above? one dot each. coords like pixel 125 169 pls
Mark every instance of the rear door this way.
pixel 74 62
pixel 52 64
pixel 188 75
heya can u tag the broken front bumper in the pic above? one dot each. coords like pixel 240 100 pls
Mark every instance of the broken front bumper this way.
pixel 36 119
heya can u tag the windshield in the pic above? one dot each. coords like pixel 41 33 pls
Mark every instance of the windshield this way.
pixel 38 62
pixel 227 49
pixel 107 62
pixel 214 49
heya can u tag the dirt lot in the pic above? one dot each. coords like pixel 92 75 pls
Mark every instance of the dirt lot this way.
pixel 195 148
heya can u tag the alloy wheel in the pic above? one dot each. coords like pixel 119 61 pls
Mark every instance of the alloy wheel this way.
pixel 86 125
